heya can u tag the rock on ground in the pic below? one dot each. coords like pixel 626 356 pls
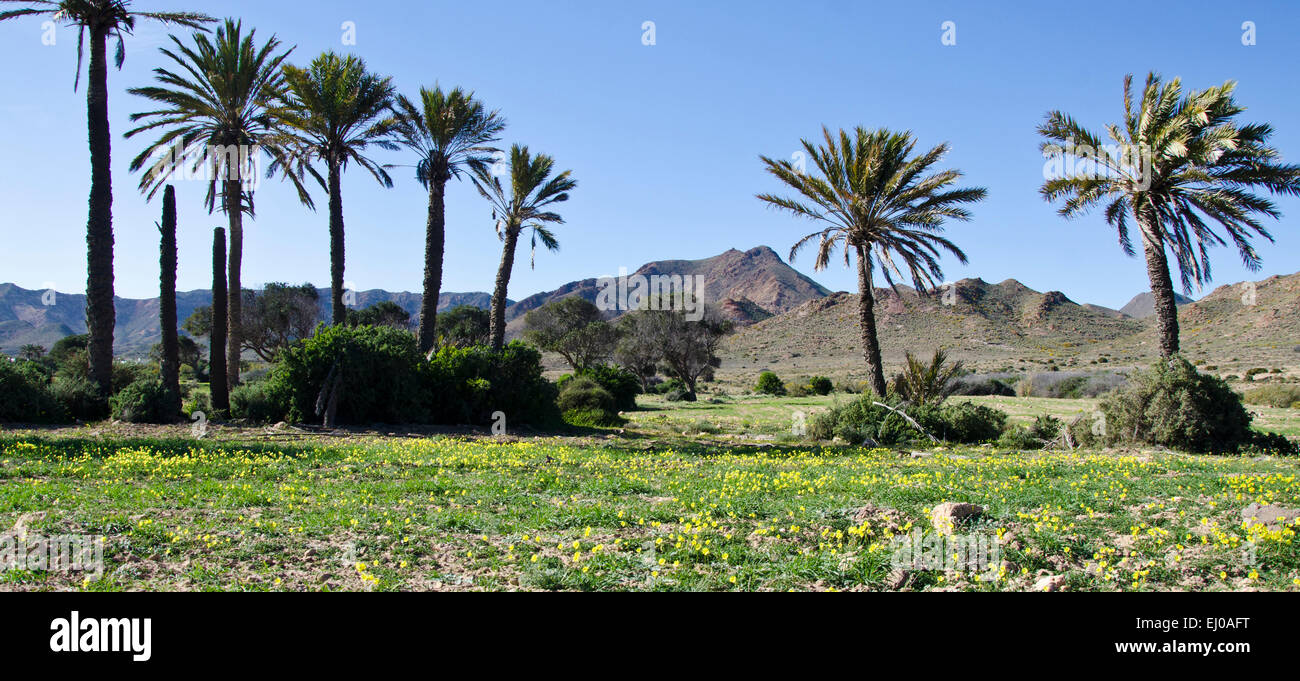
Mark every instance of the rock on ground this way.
pixel 949 514
pixel 1271 514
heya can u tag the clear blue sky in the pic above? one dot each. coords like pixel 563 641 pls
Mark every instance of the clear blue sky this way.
pixel 664 139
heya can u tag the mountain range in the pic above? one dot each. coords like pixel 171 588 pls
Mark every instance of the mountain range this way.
pixel 786 319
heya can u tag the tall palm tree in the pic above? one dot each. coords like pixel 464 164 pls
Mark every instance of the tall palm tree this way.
pixel 335 111
pixel 449 131
pixel 170 365
pixel 102 20
pixel 880 203
pixel 218 110
pixel 520 206
pixel 1176 160
pixel 219 389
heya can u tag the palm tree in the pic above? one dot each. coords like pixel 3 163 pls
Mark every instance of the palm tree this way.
pixel 531 190
pixel 102 19
pixel 218 110
pixel 220 390
pixel 1176 161
pixel 170 365
pixel 878 202
pixel 449 131
pixel 335 110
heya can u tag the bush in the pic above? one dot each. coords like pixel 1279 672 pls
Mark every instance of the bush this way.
pixel 469 384
pixel 621 383
pixel 670 385
pixel 79 398
pixel 1280 396
pixel 379 367
pixel 1173 405
pixel 583 402
pixel 964 422
pixel 25 396
pixel 143 401
pixel 201 402
pixel 126 373
pixel 862 420
pixel 820 385
pixel 984 384
pixel 797 389
pixel 1069 384
pixel 1045 429
pixel 254 402
pixel 769 384
pixel 926 382
pixel 680 395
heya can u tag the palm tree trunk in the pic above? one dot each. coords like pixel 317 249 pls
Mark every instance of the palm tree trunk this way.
pixel 434 238
pixel 100 315
pixel 867 323
pixel 217 341
pixel 339 311
pixel 498 320
pixel 170 370
pixel 234 295
pixel 1162 291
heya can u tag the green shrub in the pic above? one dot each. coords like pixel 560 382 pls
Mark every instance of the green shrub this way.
pixel 769 384
pixel 126 373
pixel 669 386
pixel 254 402
pixel 1044 430
pixel 468 385
pixel 143 401
pixel 964 422
pixel 926 382
pixel 583 402
pixel 863 420
pixel 820 385
pixel 79 398
pixel 1270 443
pixel 25 396
pixel 1173 405
pixel 797 390
pixel 380 369
pixel 621 383
pixel 1281 396
pixel 200 402
pixel 680 395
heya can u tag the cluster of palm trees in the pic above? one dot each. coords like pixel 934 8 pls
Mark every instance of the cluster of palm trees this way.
pixel 1183 165
pixel 225 90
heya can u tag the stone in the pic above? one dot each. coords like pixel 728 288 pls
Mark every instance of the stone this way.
pixel 898 579
pixel 1050 583
pixel 1271 514
pixel 946 516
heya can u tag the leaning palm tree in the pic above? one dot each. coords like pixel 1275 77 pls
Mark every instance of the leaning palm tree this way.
pixel 449 131
pixel 102 19
pixel 335 110
pixel 218 110
pixel 522 205
pixel 881 204
pixel 1178 163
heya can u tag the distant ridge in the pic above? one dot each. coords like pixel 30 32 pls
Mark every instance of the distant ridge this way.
pixel 1143 305
pixel 26 318
pixel 745 286
pixel 1009 326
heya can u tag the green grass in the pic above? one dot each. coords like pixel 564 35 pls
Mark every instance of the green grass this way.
pixel 762 417
pixel 630 514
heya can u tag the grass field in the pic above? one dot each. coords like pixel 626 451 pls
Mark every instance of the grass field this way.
pixel 644 509
pixel 760 417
